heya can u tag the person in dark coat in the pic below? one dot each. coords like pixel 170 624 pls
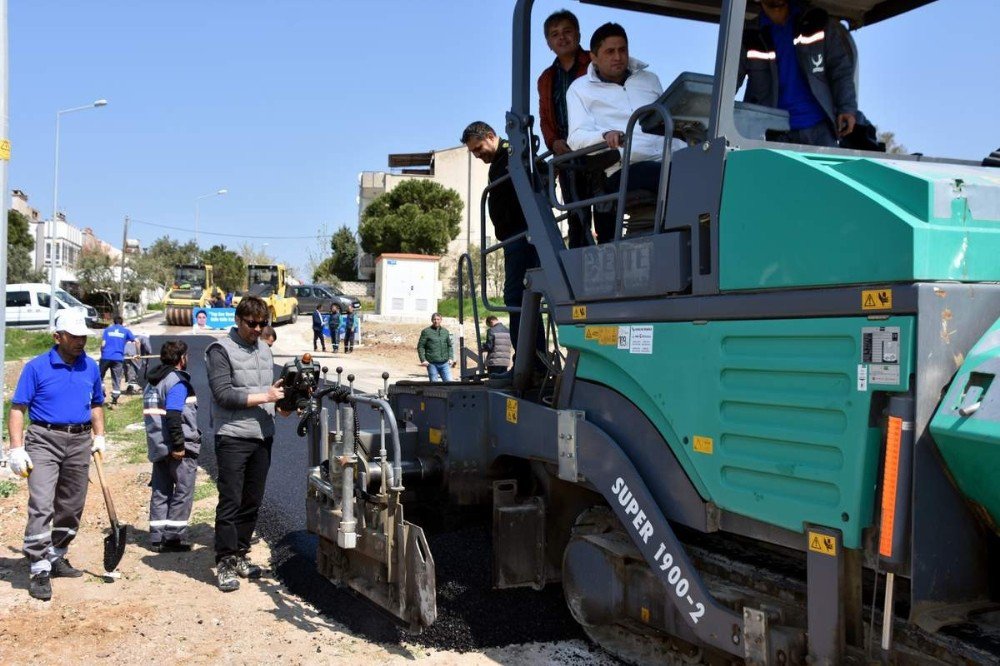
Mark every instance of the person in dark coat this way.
pixel 497 347
pixel 317 326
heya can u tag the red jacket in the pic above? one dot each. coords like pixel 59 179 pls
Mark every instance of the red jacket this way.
pixel 546 112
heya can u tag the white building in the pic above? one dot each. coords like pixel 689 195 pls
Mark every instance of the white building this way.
pixel 406 286
pixel 454 168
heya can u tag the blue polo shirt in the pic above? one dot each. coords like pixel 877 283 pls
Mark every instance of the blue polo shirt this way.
pixel 115 337
pixel 794 94
pixel 55 392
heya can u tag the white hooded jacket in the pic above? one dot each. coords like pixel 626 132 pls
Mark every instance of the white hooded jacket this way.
pixel 596 107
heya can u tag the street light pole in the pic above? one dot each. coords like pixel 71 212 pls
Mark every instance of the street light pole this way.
pixel 121 278
pixel 197 202
pixel 4 193
pixel 55 212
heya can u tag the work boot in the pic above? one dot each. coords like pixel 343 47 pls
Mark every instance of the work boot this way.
pixel 114 399
pixel 227 574
pixel 61 568
pixel 40 586
pixel 247 569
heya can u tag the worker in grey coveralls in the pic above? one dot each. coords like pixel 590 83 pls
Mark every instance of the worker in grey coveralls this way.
pixel 170 412
pixel 61 392
pixel 241 376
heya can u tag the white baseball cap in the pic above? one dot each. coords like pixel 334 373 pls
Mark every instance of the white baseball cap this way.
pixel 72 322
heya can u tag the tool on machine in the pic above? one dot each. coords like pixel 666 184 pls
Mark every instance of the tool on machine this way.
pixel 114 543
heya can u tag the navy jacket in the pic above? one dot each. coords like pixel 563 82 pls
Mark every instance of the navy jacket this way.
pixel 825 54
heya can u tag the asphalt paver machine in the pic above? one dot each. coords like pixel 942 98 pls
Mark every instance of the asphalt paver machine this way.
pixel 773 437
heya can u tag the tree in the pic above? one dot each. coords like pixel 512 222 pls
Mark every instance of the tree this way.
pixel 228 268
pixel 323 273
pixel 164 254
pixel 344 262
pixel 495 274
pixel 891 147
pixel 251 255
pixel 19 247
pixel 98 274
pixel 418 216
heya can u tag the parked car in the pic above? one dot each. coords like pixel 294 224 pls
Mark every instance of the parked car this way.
pixel 311 294
pixel 28 305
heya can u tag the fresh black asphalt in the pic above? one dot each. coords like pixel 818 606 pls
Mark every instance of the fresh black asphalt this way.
pixel 471 615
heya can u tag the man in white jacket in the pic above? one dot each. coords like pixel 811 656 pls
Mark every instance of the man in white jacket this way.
pixel 599 106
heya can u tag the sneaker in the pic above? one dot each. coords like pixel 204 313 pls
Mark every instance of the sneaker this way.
pixel 61 568
pixel 247 569
pixel 227 574
pixel 40 586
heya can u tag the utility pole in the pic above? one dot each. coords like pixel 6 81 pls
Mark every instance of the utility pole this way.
pixel 4 194
pixel 121 276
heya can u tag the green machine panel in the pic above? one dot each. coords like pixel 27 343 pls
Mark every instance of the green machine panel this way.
pixel 892 221
pixel 966 426
pixel 769 418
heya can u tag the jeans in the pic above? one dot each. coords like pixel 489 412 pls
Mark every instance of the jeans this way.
pixel 243 465
pixel 439 371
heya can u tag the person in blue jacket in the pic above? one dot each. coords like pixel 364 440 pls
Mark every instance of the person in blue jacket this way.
pixel 113 354
pixel 317 325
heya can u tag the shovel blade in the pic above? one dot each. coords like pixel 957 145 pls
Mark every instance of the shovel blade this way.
pixel 114 547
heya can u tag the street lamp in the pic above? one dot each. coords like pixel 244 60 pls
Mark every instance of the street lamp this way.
pixel 197 202
pixel 55 211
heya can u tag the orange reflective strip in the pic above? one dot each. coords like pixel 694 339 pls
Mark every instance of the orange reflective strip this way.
pixel 890 477
pixel 761 55
pixel 809 39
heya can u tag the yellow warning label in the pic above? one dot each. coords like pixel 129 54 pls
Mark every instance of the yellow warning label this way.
pixel 876 299
pixel 644 614
pixel 434 435
pixel 5 149
pixel 703 444
pixel 422 406
pixel 512 410
pixel 603 335
pixel 579 312
pixel 823 544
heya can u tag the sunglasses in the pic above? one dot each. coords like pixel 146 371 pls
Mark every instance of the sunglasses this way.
pixel 254 324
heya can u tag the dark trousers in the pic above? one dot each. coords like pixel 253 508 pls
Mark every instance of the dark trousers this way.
pixel 820 134
pixel 318 336
pixel 243 465
pixel 171 498
pixel 335 335
pixel 574 188
pixel 518 257
pixel 348 339
pixel 116 375
pixel 641 176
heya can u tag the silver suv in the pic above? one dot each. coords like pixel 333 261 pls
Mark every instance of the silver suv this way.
pixel 309 295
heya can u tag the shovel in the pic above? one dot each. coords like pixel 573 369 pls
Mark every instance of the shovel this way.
pixel 114 543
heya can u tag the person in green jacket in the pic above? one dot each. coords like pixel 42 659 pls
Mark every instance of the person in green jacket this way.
pixel 435 350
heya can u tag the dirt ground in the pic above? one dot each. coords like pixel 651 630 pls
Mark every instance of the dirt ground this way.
pixel 166 606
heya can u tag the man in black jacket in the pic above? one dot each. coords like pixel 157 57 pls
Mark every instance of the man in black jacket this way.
pixel 800 59
pixel 506 215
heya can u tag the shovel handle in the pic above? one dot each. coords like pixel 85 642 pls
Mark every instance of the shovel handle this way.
pixel 112 514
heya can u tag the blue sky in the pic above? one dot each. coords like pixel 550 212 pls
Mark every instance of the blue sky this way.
pixel 284 103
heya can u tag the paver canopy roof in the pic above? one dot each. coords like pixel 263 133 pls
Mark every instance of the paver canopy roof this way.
pixel 857 12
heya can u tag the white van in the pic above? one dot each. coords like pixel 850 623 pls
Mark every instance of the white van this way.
pixel 28 305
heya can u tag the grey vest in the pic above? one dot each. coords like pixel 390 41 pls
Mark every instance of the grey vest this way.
pixel 154 412
pixel 498 346
pixel 253 372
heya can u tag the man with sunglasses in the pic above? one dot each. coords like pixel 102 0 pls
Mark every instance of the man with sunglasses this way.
pixel 240 375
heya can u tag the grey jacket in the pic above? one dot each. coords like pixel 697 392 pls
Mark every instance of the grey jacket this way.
pixel 159 438
pixel 825 54
pixel 497 346
pixel 235 370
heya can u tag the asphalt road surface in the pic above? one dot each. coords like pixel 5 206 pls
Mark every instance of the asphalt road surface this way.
pixel 471 615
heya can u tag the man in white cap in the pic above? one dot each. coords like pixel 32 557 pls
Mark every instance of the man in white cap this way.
pixel 61 392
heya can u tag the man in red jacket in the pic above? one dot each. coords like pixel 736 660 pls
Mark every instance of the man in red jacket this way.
pixel 562 34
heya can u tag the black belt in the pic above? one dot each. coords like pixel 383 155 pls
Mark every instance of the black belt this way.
pixel 72 428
